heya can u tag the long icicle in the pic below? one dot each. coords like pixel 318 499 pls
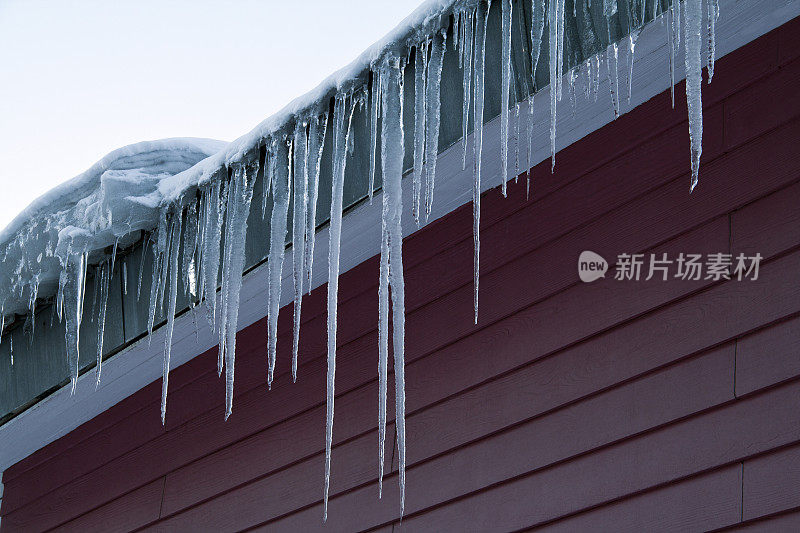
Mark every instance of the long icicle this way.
pixel 420 114
pixel 469 33
pixel 392 156
pixel 556 21
pixel 175 240
pixel 277 248
pixel 481 17
pixel 73 284
pixel 375 97
pixel 505 89
pixel 433 108
pixel 693 23
pixel 341 134
pixel 712 14
pixel 537 33
pixel 299 231
pixel 241 209
pixel 316 141
pixel 105 276
pixel 383 343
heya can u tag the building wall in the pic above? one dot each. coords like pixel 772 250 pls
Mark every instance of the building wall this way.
pixel 632 405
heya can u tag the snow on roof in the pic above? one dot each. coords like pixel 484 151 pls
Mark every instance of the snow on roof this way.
pixel 117 196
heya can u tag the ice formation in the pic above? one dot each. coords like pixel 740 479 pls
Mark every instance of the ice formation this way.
pixel 192 197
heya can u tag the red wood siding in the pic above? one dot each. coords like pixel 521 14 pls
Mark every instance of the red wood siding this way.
pixel 612 405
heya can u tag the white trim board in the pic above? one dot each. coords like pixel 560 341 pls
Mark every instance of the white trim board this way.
pixel 741 21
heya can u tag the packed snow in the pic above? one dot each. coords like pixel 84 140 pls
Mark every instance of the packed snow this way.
pixel 195 195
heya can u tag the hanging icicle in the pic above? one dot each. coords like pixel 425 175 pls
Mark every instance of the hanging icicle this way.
pixel 433 109
pixel 481 16
pixel 556 42
pixel 712 14
pixel 238 211
pixel 72 286
pixel 341 131
pixel 277 246
pixel 172 258
pixel 316 141
pixel 104 275
pixel 299 219
pixel 505 89
pixel 467 52
pixel 693 23
pixel 392 158
pixel 420 114
pixel 612 62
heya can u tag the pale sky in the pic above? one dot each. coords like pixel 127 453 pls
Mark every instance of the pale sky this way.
pixel 80 78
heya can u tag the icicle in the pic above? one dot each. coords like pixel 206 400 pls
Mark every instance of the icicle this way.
pixel 612 55
pixel 277 247
pixel 141 271
pixel 74 269
pixel 189 248
pixel 556 42
pixel 373 134
pixel 341 132
pixel 480 48
pixel 537 32
pixel 516 140
pixel 712 9
pixel 587 88
pixel 211 253
pixel 299 231
pixel 383 343
pixel 239 210
pixel 571 91
pixel 172 257
pixel 560 56
pixel 693 23
pixel 104 273
pixel 162 284
pixel 420 101
pixel 125 277
pixel 505 89
pixel 596 82
pixel 433 109
pixel 11 353
pixel 631 56
pixel 672 31
pixel 159 248
pixel 316 141
pixel 392 157
pixel 227 252
pixel 469 32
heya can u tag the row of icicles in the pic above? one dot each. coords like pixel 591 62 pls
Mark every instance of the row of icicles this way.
pixel 292 171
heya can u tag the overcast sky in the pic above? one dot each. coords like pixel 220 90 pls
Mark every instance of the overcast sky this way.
pixel 81 78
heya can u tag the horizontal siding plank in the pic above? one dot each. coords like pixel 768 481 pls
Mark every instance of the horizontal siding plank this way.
pixel 784 523
pixel 746 116
pixel 700 503
pixel 770 483
pixel 788 41
pixel 768 356
pixel 126 513
pixel 769 225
